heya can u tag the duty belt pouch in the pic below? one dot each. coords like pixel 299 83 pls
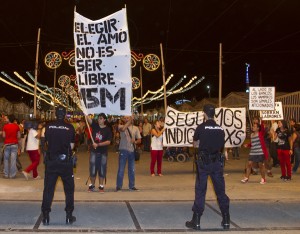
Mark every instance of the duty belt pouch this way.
pixel 62 157
pixel 199 161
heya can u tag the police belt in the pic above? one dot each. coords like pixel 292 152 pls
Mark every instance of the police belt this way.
pixel 208 158
pixel 59 157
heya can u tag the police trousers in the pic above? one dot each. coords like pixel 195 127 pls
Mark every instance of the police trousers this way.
pixel 215 171
pixel 55 169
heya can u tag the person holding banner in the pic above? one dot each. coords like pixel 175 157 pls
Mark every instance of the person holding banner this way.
pixel 256 154
pixel 284 149
pixel 156 148
pixel 262 138
pixel 130 135
pixel 102 136
pixel 210 162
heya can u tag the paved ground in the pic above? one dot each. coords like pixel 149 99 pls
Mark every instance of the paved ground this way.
pixel 162 205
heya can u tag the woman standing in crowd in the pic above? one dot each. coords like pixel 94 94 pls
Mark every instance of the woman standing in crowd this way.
pixel 32 147
pixel 296 147
pixel 284 150
pixel 156 148
pixel 256 154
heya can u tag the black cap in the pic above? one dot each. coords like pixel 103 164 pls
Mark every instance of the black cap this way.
pixel 60 112
pixel 209 110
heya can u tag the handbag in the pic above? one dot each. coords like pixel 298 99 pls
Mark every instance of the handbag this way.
pixel 136 152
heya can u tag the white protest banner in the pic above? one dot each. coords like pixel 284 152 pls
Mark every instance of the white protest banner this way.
pixel 102 63
pixel 261 98
pixel 276 114
pixel 180 126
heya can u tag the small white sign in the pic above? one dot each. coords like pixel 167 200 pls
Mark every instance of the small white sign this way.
pixel 276 114
pixel 262 98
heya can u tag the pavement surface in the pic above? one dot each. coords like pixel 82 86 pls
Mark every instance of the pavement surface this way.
pixel 162 205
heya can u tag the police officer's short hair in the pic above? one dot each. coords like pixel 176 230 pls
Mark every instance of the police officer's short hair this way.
pixel 209 110
pixel 60 112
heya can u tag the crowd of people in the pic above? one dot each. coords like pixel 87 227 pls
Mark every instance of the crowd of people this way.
pixel 272 144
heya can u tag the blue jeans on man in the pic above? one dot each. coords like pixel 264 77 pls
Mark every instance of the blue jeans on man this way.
pixel 125 155
pixel 98 164
pixel 10 158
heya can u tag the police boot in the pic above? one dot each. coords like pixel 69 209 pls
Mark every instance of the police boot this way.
pixel 70 219
pixel 226 221
pixel 46 218
pixel 194 223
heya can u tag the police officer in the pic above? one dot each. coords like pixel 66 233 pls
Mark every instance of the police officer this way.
pixel 60 138
pixel 209 163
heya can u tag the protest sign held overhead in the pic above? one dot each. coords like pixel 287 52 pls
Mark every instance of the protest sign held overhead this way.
pixel 102 54
pixel 180 126
pixel 276 114
pixel 262 98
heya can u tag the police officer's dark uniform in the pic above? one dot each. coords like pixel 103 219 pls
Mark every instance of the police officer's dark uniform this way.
pixel 209 163
pixel 60 137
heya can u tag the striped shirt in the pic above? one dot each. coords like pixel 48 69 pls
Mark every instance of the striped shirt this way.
pixel 256 148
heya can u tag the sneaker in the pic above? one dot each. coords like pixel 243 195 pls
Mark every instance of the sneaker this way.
pixel 91 188
pixel 287 178
pixel 254 172
pixel 37 178
pixel 134 189
pixel 26 175
pixel 270 174
pixel 245 180
pixel 262 181
pixel 118 189
pixel 152 175
pixel 282 177
pixel 101 189
pixel 160 174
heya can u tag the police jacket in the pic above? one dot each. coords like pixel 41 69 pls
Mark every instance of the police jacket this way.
pixel 59 135
pixel 211 137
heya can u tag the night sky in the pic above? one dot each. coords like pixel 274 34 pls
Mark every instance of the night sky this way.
pixel 263 33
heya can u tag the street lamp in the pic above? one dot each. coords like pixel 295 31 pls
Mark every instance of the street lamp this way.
pixel 208 90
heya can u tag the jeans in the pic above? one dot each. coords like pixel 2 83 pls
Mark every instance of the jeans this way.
pixel 10 157
pixel 1 153
pixel 98 163
pixel 125 155
pixel 297 159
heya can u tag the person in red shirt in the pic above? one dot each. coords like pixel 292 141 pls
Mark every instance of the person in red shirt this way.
pixel 11 135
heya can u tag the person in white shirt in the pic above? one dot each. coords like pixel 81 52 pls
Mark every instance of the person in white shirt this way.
pixel 156 148
pixel 273 147
pixel 32 147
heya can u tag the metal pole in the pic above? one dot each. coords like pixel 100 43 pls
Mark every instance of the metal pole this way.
pixel 220 75
pixel 54 86
pixel 163 75
pixel 36 71
pixel 141 82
